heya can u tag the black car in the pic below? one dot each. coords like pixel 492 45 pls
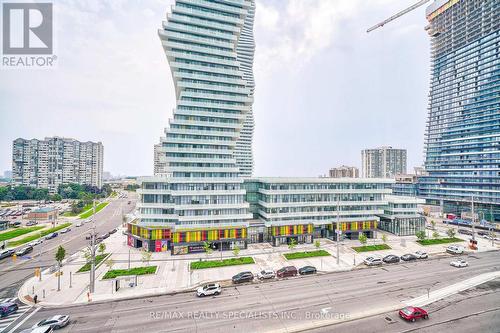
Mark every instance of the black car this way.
pixel 390 259
pixel 480 233
pixel 307 270
pixel 52 235
pixel 465 232
pixel 243 277
pixel 408 257
pixel 112 231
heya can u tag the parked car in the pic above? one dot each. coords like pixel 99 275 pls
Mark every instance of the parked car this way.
pixel 15 224
pixel 36 242
pixel 408 257
pixel 208 290
pixel 106 235
pixel 266 274
pixel 453 249
pixel 390 259
pixel 243 277
pixel 307 270
pixel 373 261
pixel 44 329
pixel 459 263
pixel 65 230
pixel 421 255
pixel 464 231
pixel 30 223
pixel 56 322
pixel 286 271
pixel 6 253
pixel 8 308
pixel 52 235
pixel 24 251
pixel 412 313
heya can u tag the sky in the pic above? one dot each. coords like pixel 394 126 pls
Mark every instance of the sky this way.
pixel 325 89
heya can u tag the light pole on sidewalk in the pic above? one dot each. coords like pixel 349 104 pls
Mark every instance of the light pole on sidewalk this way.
pixel 92 253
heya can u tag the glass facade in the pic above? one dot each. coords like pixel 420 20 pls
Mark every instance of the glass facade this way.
pixel 462 140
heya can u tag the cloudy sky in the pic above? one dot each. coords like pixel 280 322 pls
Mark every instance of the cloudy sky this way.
pixel 325 89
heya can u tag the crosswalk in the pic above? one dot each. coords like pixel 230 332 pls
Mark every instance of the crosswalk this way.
pixel 10 319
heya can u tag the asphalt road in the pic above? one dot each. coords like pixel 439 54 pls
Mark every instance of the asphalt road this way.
pixel 263 307
pixel 13 275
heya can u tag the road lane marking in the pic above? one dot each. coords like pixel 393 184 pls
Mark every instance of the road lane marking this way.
pixel 24 320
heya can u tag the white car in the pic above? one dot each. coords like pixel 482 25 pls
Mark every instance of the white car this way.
pixel 36 242
pixel 459 263
pixel 373 261
pixel 55 322
pixel 266 274
pixel 78 224
pixel 65 230
pixel 453 249
pixel 208 290
pixel 421 255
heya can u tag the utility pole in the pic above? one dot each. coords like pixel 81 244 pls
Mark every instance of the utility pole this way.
pixel 92 253
pixel 491 226
pixel 338 229
pixel 473 218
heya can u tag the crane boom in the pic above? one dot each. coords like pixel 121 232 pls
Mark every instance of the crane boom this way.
pixel 395 16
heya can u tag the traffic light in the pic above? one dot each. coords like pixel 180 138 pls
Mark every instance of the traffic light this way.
pixel 37 272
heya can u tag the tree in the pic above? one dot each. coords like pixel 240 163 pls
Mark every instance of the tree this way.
pixel 207 246
pixel 292 244
pixel 56 197
pixel 101 248
pixel 146 257
pixel 87 255
pixel 317 244
pixel 420 235
pixel 60 255
pixel 236 250
pixel 109 263
pixel 362 239
pixel 435 234
pixel 433 223
pixel 384 238
pixel 450 232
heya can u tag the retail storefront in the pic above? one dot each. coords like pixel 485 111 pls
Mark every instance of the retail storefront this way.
pixel 302 233
pixel 153 239
pixel 193 241
pixel 352 230
pixel 402 226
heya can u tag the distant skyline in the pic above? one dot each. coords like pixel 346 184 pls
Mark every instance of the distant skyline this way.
pixel 325 89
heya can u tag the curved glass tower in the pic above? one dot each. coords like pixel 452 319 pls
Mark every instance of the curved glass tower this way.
pixel 209 47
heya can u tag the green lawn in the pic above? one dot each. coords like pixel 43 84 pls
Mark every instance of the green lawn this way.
pixel 37 235
pixel 368 248
pixel 439 241
pixel 306 254
pixel 111 274
pixel 18 232
pixel 89 212
pixel 98 259
pixel 84 209
pixel 222 263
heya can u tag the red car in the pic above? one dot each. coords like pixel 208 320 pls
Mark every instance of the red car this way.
pixel 412 313
pixel 286 271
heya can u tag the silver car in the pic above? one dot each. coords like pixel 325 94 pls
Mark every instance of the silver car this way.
pixel 266 274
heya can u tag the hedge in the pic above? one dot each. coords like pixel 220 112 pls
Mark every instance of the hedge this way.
pixel 98 259
pixel 435 241
pixel 221 263
pixel 111 274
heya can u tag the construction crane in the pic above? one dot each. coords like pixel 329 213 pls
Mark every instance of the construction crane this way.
pixel 401 13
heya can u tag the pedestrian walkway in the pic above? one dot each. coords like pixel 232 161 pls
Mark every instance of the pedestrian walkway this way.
pixel 10 319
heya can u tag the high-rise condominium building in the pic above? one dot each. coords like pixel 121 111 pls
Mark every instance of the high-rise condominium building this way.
pixel 206 149
pixel 383 162
pixel 54 161
pixel 462 139
pixel 344 172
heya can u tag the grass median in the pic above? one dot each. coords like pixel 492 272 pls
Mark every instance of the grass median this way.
pixel 306 254
pixel 19 232
pixel 368 248
pixel 84 209
pixel 437 241
pixel 90 212
pixel 98 260
pixel 37 235
pixel 221 263
pixel 111 274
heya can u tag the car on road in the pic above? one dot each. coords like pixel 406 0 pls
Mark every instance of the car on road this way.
pixel 15 224
pixel 412 313
pixel 30 223
pixel 208 290
pixel 106 235
pixel 65 230
pixel 128 203
pixel 453 249
pixel 112 231
pixel 408 257
pixel 243 277
pixel 465 232
pixel 56 322
pixel 286 271
pixel 421 255
pixel 480 233
pixel 36 242
pixel 459 263
pixel 266 274
pixel 44 329
pixel 6 253
pixel 24 251
pixel 52 235
pixel 8 308
pixel 78 224
pixel 372 261
pixel 306 270
pixel 390 259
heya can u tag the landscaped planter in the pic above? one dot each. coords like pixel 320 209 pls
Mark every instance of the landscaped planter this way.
pixel 438 241
pixel 221 263
pixel 368 248
pixel 113 273
pixel 306 254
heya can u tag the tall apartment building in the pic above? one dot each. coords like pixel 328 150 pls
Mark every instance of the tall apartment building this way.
pixel 462 137
pixel 206 149
pixel 54 161
pixel 344 172
pixel 383 162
